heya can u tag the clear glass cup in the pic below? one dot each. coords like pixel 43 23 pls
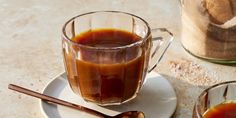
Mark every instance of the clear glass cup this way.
pixel 120 79
pixel 214 95
pixel 209 29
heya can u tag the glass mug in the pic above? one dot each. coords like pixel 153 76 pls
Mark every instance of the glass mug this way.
pixel 214 96
pixel 111 75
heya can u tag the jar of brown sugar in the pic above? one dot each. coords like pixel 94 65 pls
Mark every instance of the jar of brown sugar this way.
pixel 209 29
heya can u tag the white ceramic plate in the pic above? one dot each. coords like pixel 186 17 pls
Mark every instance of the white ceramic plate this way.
pixel 157 99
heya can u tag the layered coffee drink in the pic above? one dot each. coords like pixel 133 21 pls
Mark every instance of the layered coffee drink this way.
pixel 209 29
pixel 223 110
pixel 101 70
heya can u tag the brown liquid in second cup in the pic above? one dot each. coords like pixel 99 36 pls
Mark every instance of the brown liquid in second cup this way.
pixel 103 75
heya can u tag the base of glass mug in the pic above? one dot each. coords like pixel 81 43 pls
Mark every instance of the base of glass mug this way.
pixel 112 103
pixel 213 60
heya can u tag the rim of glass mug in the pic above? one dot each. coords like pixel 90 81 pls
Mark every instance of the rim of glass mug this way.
pixel 197 109
pixel 110 48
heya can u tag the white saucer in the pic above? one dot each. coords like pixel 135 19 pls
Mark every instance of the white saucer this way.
pixel 157 99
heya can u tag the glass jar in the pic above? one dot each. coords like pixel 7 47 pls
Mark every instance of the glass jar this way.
pixel 209 29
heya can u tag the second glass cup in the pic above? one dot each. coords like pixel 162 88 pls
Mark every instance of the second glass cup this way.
pixel 106 54
pixel 215 101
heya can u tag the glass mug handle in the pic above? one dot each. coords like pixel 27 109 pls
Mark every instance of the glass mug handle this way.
pixel 162 38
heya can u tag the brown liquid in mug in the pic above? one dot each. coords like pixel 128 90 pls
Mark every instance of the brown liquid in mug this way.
pixel 224 110
pixel 107 75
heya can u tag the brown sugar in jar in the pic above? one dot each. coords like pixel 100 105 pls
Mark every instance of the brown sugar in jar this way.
pixel 209 29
